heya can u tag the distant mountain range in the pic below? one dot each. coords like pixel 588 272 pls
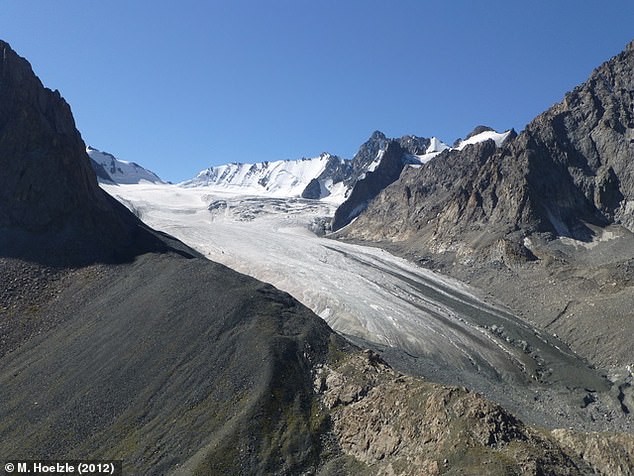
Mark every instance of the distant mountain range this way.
pixel 349 183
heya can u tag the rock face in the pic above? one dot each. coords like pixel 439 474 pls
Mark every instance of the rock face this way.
pixel 392 424
pixel 572 167
pixel 366 188
pixel 377 164
pixel 49 197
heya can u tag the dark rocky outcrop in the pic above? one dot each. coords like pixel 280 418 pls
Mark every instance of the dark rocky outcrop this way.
pixel 313 190
pixel 414 145
pixel 392 154
pixel 51 206
pixel 369 186
pixel 336 170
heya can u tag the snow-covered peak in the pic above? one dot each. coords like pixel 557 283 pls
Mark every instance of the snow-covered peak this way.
pixel 280 178
pixel 436 145
pixel 121 171
pixel 497 137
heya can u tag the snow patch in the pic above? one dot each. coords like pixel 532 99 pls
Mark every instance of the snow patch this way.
pixel 497 137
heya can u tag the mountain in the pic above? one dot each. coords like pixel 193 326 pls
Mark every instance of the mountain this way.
pixel 324 177
pixel 110 169
pixel 178 365
pixel 391 156
pixel 543 222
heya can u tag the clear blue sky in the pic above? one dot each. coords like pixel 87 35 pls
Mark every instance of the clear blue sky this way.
pixel 181 85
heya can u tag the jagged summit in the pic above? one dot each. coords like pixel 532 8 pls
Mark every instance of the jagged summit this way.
pixel 49 196
pixel 377 135
pixel 479 130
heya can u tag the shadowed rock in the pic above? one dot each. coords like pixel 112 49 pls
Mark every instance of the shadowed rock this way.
pixel 51 207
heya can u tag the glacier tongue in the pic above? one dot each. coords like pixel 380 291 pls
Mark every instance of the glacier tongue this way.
pixel 435 326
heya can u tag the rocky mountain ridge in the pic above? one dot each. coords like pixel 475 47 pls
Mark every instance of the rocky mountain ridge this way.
pixel 540 222
pixel 571 167
pixel 51 206
pixel 395 156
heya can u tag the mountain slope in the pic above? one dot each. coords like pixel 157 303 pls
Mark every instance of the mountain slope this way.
pixel 132 371
pixel 109 168
pixel 552 205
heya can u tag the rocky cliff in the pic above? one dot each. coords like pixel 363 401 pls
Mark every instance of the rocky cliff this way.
pixel 571 168
pixel 367 187
pixel 51 206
